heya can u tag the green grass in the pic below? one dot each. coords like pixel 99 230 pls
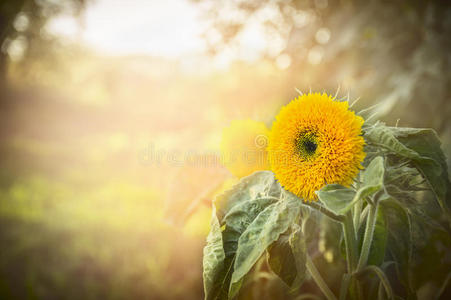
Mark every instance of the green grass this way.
pixel 107 241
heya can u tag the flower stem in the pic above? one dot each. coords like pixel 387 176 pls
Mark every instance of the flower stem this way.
pixel 357 213
pixel 357 208
pixel 319 280
pixel 368 238
pixel 351 257
pixel 350 242
pixel 345 281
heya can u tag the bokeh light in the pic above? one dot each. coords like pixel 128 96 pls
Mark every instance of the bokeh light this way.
pixel 111 115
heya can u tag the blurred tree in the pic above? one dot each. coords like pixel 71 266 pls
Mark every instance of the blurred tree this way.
pixel 394 53
pixel 22 23
pixel 8 11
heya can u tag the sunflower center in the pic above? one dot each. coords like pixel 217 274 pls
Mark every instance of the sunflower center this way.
pixel 309 146
pixel 306 144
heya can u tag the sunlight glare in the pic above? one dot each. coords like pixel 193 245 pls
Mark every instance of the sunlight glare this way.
pixel 162 28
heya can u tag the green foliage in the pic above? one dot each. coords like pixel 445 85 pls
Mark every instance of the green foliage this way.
pixel 373 178
pixel 336 197
pixel 379 244
pixel 384 137
pixel 421 146
pixel 400 243
pixel 262 232
pixel 427 144
pixel 287 257
pixel 62 242
pixel 402 165
pixel 413 153
pixel 250 218
pixel 340 199
pixel 214 255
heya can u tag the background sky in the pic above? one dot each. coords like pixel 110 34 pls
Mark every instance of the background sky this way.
pixel 169 28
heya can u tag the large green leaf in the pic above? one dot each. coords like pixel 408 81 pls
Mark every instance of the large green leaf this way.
pixel 250 217
pixel 256 186
pixel 379 243
pixel 336 197
pixel 416 244
pixel 234 211
pixel 383 136
pixel 422 147
pixel 426 143
pixel 261 233
pixel 399 239
pixel 281 259
pixel 213 260
pixel 287 257
pixel 340 199
pixel 402 176
pixel 298 246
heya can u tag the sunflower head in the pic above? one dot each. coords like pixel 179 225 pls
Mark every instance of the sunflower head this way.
pixel 315 140
pixel 244 147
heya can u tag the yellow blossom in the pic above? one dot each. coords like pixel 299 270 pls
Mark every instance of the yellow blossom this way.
pixel 315 140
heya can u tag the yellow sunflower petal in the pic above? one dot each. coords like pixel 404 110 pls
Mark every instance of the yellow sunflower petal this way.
pixel 243 147
pixel 314 141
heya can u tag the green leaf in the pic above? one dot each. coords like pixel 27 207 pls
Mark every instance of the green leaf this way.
pixel 214 256
pixel 399 239
pixel 427 144
pixel 235 210
pixel 299 248
pixel 281 259
pixel 336 197
pixel 379 243
pixel 287 257
pixel 372 178
pixel 383 136
pixel 401 175
pixel 422 146
pixel 262 232
pixel 340 199
pixel 256 186
pixel 416 244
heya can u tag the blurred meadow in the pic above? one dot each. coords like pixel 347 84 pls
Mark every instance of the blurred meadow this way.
pixel 111 115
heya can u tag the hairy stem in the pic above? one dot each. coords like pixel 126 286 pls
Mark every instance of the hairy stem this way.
pixel 368 237
pixel 350 242
pixel 345 281
pixel 319 280
pixel 357 207
pixel 351 257
pixel 357 213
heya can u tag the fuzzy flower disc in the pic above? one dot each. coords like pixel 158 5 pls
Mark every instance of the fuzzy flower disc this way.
pixel 315 140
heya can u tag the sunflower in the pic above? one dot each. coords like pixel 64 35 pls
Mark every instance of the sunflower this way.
pixel 314 141
pixel 243 147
